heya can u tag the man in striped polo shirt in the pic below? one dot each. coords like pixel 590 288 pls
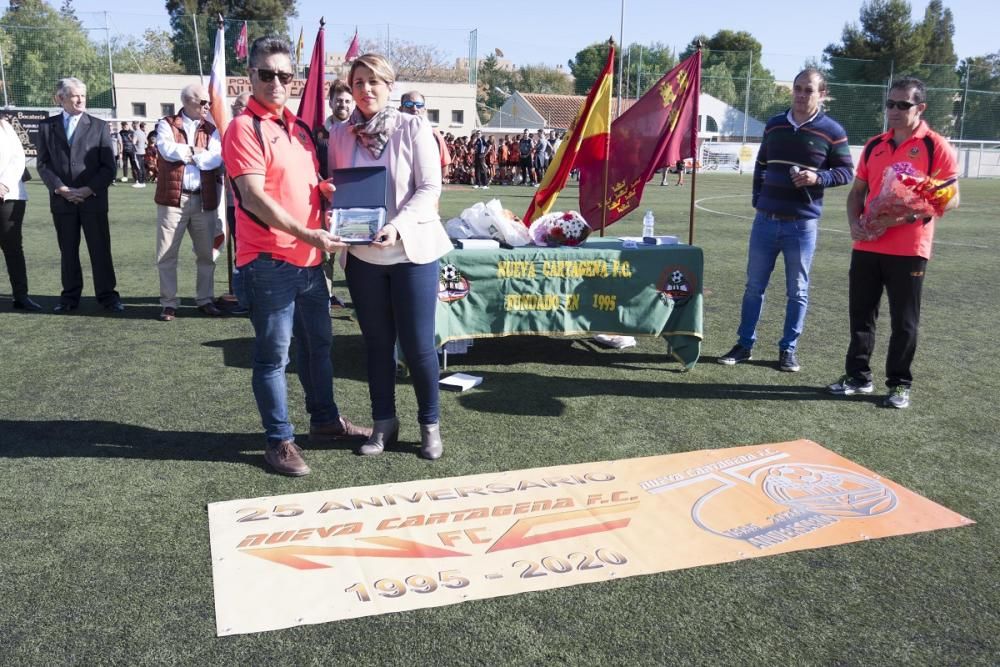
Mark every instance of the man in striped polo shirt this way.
pixel 802 153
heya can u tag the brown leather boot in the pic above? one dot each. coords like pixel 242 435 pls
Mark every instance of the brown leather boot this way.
pixel 384 434
pixel 285 457
pixel 342 429
pixel 431 446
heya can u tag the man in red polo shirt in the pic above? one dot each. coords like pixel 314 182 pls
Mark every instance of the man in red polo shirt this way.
pixel 270 157
pixel 895 261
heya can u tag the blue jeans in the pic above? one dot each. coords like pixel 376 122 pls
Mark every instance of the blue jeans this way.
pixel 397 301
pixel 796 240
pixel 287 300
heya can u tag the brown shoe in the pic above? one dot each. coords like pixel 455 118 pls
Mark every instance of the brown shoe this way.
pixel 342 429
pixel 210 309
pixel 285 457
pixel 168 314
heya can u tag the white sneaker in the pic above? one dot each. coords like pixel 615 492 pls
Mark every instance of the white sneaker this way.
pixel 486 187
pixel 138 185
pixel 475 187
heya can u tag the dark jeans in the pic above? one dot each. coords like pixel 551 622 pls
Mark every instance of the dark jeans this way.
pixel 397 301
pixel 11 217
pixel 903 280
pixel 98 234
pixel 285 301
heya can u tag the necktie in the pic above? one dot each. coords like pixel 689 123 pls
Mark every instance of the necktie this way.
pixel 70 128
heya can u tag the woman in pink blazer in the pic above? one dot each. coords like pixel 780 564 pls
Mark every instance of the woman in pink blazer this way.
pixel 394 281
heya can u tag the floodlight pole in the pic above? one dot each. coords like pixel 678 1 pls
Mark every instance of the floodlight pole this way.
pixel 3 77
pixel 197 47
pixel 621 59
pixel 111 69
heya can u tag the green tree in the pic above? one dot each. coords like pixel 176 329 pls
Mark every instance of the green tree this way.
pixel 495 85
pixel 941 77
pixel 885 44
pixel 263 17
pixel 587 64
pixel 150 54
pixel 42 45
pixel 737 55
pixel 645 64
pixel 542 79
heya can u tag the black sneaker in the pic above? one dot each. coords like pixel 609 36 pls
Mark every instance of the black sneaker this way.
pixel 788 362
pixel 848 386
pixel 735 355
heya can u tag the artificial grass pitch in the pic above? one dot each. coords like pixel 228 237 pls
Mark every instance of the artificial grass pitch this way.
pixel 115 432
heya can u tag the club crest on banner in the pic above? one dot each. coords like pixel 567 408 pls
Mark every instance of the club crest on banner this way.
pixel 676 283
pixel 799 499
pixel 452 286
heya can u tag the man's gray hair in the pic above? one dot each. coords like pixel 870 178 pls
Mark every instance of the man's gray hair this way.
pixel 412 95
pixel 265 46
pixel 65 85
pixel 188 91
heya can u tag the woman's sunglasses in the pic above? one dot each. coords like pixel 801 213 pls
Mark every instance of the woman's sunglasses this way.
pixel 902 106
pixel 268 75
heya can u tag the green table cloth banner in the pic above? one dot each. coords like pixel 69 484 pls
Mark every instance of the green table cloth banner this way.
pixel 599 287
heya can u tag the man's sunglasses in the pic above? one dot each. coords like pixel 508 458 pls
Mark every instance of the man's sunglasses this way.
pixel 205 103
pixel 410 104
pixel 902 106
pixel 267 76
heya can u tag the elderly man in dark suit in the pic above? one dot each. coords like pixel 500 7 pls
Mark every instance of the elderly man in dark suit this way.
pixel 77 164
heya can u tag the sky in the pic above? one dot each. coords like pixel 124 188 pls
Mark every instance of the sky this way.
pixel 551 33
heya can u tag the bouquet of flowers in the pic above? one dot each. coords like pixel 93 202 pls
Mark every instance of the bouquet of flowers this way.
pixel 907 195
pixel 559 229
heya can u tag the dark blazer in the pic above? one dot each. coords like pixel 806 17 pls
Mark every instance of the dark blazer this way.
pixel 89 162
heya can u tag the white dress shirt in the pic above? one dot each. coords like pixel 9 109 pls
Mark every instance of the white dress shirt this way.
pixel 174 151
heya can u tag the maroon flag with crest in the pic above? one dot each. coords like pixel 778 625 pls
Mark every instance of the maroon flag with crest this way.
pixel 658 130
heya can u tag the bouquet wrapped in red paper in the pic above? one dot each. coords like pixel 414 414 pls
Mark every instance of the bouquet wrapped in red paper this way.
pixel 907 195
pixel 559 229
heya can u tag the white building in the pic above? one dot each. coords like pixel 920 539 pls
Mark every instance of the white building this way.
pixel 451 107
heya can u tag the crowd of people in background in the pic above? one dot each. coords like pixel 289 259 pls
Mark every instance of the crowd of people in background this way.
pixel 519 159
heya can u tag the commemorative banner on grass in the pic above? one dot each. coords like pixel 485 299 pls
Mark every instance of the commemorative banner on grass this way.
pixel 314 557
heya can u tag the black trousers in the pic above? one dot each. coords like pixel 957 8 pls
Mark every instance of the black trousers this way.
pixel 482 173
pixel 903 280
pixel 11 217
pixel 129 160
pixel 95 228
pixel 525 170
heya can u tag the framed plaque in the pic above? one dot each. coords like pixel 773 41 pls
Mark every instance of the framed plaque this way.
pixel 358 211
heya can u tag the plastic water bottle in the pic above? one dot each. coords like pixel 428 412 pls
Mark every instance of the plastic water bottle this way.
pixel 647 224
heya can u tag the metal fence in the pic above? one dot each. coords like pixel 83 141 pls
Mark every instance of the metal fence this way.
pixel 94 46
pixel 858 89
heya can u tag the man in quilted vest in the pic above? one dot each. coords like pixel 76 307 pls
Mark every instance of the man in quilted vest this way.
pixel 188 187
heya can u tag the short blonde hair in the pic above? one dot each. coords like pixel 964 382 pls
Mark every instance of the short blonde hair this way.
pixel 378 64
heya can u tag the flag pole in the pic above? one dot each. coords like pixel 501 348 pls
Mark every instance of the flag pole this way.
pixel 607 153
pixel 694 165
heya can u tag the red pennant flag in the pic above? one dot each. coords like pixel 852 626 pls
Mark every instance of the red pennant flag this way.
pixel 354 50
pixel 659 129
pixel 313 105
pixel 242 48
pixel 585 144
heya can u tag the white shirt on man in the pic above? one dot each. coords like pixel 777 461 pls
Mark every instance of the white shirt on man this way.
pixel 174 151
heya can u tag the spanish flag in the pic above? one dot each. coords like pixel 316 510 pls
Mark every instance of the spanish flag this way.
pixel 299 46
pixel 587 143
